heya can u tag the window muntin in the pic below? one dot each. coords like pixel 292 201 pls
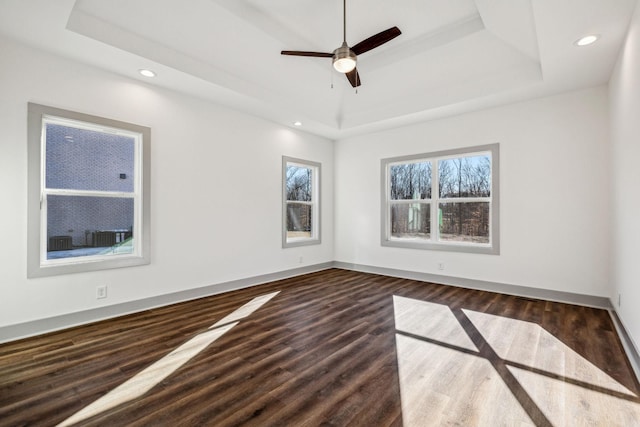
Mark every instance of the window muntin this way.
pixel 301 222
pixel 462 215
pixel 88 192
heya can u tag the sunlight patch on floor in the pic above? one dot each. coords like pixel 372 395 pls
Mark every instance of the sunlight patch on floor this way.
pixel 527 343
pixel 245 310
pixel 149 377
pixel 441 386
pixel 429 320
pixel 515 373
pixel 567 404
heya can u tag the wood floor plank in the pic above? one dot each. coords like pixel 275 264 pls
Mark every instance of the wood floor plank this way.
pixel 336 347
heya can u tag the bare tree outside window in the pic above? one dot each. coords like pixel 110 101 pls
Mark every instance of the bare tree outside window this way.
pixel 301 200
pixel 298 188
pixel 411 181
pixel 465 179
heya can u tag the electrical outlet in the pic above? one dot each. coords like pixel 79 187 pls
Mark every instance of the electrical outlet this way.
pixel 441 266
pixel 301 260
pixel 619 299
pixel 101 292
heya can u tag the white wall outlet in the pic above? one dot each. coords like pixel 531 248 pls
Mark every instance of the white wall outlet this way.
pixel 619 300
pixel 101 292
pixel 301 260
pixel 441 266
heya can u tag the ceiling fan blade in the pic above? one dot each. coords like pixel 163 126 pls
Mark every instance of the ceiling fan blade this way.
pixel 302 53
pixel 354 77
pixel 375 41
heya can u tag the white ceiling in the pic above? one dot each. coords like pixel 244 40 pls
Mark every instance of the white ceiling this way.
pixel 453 56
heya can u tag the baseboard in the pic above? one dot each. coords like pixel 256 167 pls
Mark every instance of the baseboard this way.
pixel 630 347
pixel 503 288
pixel 51 324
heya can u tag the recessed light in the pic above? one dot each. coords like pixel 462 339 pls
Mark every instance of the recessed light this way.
pixel 147 73
pixel 586 40
pixel 297 123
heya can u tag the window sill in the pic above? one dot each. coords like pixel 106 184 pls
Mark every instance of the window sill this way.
pixel 446 247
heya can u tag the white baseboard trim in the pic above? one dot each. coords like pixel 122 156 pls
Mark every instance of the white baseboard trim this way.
pixel 56 323
pixel 503 288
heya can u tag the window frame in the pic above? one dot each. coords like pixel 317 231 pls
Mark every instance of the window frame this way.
pixel 492 248
pixel 315 238
pixel 37 263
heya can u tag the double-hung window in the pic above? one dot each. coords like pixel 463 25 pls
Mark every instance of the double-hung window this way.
pixel 446 200
pixel 88 192
pixel 301 202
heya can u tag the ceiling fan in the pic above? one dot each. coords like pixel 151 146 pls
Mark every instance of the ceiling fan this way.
pixel 345 57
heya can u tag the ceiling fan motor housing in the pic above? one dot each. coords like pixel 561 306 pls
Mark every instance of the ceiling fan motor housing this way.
pixel 344 59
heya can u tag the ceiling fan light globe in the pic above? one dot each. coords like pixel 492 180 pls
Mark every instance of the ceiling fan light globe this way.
pixel 344 65
pixel 344 60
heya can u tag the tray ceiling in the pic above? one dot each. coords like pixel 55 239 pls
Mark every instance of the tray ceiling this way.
pixel 452 56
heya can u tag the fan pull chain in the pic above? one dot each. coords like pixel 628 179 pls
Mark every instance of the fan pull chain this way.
pixel 331 73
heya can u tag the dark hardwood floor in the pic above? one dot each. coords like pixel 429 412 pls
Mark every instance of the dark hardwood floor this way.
pixel 330 348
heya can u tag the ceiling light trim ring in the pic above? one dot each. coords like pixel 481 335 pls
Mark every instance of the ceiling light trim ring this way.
pixel 587 40
pixel 146 72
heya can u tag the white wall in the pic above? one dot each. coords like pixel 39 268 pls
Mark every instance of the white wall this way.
pixel 216 175
pixel 555 219
pixel 553 177
pixel 625 134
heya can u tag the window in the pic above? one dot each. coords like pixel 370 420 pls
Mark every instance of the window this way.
pixel 301 196
pixel 442 201
pixel 88 192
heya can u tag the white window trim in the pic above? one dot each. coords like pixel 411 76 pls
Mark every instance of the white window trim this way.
pixel 37 263
pixel 314 203
pixel 492 248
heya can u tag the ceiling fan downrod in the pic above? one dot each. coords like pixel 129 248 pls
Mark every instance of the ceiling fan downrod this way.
pixel 344 21
pixel 344 59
